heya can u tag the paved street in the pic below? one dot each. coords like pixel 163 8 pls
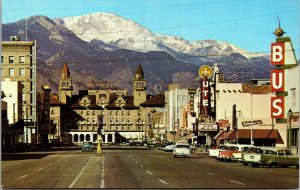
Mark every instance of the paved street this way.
pixel 129 168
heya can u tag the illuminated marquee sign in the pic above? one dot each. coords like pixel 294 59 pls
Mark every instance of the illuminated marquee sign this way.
pixel 205 72
pixel 277 80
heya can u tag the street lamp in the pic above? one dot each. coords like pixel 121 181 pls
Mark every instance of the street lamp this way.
pixel 290 114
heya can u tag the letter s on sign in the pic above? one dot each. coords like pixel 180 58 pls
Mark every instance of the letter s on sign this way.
pixel 277 107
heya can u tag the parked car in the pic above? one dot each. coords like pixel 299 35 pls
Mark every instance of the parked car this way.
pixel 182 149
pixel 214 152
pixel 238 156
pixel 87 146
pixel 226 154
pixel 282 158
pixel 253 155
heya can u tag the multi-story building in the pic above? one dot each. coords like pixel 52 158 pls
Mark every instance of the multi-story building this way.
pixel 114 114
pixel 18 63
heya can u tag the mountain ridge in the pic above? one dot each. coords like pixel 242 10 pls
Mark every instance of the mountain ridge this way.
pixel 89 61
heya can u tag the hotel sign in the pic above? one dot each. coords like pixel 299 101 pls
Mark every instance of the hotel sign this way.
pixel 277 79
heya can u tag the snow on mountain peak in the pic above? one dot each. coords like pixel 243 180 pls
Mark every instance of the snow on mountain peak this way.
pixel 123 33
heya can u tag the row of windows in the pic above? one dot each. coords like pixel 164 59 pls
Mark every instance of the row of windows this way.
pixel 11 59
pixel 11 72
pixel 123 120
pixel 122 113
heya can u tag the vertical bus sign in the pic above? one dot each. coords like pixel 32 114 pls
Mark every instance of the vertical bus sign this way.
pixel 277 53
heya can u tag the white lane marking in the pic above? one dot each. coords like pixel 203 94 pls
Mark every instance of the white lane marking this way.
pixel 209 173
pixel 75 180
pixel 236 182
pixel 179 163
pixel 162 181
pixel 50 164
pixel 136 162
pixel 169 160
pixel 141 166
pixel 22 176
pixel 149 172
pixel 39 169
pixel 102 175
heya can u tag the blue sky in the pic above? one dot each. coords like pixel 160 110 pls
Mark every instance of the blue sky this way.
pixel 248 24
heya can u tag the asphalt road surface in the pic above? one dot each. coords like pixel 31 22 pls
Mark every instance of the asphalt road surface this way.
pixel 130 168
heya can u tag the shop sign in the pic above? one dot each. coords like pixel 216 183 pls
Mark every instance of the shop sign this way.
pixel 248 123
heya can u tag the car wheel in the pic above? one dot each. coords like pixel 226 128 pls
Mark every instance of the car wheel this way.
pixel 297 166
pixel 245 164
pixel 174 156
pixel 272 165
pixel 255 165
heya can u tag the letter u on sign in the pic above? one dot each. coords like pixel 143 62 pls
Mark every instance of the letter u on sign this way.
pixel 277 107
pixel 277 80
pixel 277 53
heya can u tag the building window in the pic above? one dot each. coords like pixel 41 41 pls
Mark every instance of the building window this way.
pixel 21 72
pixel 128 112
pixel 22 59
pixel 123 113
pixel 293 97
pixel 94 113
pixel 52 112
pixel 11 72
pixel 129 121
pixel 87 113
pixel 111 120
pixel 139 113
pixel 2 72
pixel 117 113
pixel 11 59
pixel 110 113
pixel 117 120
pixel 2 59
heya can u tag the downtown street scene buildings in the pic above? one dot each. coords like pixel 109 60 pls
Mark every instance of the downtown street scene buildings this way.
pixel 263 112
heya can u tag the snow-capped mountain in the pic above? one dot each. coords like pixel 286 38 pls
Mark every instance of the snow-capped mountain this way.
pixel 120 33
pixel 104 46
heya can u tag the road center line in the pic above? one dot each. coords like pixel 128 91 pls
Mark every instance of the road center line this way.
pixel 209 173
pixel 39 169
pixel 141 166
pixel 149 172
pixel 22 176
pixel 102 174
pixel 162 181
pixel 136 162
pixel 75 180
pixel 236 182
pixel 50 164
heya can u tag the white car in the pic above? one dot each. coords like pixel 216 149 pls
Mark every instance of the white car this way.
pixel 169 148
pixel 182 150
pixel 253 156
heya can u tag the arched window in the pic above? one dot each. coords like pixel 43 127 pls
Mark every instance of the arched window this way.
pixel 52 112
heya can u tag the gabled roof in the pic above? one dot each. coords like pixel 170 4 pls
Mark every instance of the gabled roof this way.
pixel 155 101
pixel 93 104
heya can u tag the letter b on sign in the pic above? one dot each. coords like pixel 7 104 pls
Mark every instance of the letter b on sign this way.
pixel 277 53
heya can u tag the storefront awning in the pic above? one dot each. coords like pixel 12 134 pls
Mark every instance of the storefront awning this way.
pixel 257 134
